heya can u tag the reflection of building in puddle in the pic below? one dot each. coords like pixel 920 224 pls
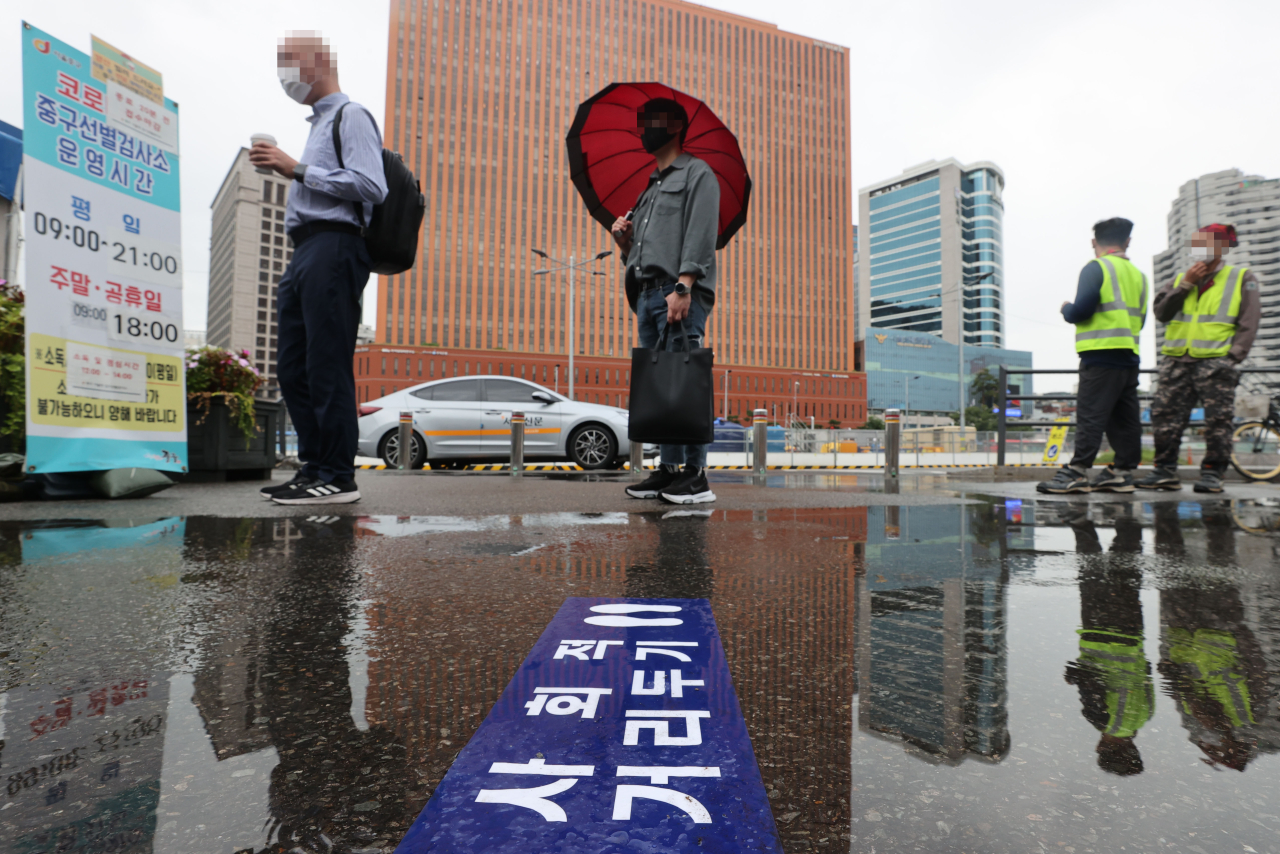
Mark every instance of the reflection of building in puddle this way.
pixel 290 627
pixel 932 659
pixel 229 678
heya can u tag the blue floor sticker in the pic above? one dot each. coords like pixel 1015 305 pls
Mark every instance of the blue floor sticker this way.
pixel 620 733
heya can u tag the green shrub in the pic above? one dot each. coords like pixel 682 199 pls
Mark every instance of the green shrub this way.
pixel 13 373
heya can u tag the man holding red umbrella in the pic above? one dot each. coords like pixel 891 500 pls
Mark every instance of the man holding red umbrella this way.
pixel 668 243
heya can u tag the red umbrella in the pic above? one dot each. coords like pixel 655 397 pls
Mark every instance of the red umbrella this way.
pixel 610 167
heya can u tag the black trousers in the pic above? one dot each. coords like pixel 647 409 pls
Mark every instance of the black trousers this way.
pixel 1108 403
pixel 319 312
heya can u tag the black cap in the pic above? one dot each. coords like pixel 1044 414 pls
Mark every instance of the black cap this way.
pixel 1112 232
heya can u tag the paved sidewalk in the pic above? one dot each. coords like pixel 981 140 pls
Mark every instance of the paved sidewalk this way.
pixel 474 493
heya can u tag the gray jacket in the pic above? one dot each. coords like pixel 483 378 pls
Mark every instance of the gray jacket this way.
pixel 676 222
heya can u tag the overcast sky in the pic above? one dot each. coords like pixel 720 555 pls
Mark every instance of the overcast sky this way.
pixel 1092 109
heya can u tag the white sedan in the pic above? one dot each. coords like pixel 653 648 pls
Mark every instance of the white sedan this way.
pixel 468 419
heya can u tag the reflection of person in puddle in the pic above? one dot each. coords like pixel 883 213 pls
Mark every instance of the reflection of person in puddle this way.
pixel 680 568
pixel 1211 662
pixel 334 781
pixel 1112 672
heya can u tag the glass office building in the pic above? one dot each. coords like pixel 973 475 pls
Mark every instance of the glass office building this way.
pixel 915 370
pixel 981 236
pixel 930 253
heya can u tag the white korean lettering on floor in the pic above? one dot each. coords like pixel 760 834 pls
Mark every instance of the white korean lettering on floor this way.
pixel 565 701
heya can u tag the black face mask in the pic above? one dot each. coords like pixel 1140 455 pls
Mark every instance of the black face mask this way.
pixel 653 138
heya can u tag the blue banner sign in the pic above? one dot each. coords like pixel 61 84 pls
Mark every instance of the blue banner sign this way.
pixel 621 731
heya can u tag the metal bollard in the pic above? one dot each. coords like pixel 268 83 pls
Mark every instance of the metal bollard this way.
pixel 517 443
pixel 892 441
pixel 760 438
pixel 405 439
pixel 892 525
pixel 637 459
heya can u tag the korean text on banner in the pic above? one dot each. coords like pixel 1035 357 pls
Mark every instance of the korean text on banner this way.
pixel 621 726
pixel 106 386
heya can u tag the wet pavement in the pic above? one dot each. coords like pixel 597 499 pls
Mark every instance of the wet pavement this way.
pixel 1005 674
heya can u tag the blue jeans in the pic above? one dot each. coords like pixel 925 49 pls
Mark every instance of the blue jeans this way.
pixel 651 311
pixel 319 309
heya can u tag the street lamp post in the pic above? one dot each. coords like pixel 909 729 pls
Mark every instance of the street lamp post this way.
pixel 570 265
pixel 906 411
pixel 726 393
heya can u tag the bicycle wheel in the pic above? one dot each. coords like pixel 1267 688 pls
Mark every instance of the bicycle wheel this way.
pixel 1255 450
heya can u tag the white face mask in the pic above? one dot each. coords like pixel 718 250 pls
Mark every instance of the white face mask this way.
pixel 1201 252
pixel 291 80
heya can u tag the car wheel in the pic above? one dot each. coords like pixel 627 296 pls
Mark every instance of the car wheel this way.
pixel 390 452
pixel 592 446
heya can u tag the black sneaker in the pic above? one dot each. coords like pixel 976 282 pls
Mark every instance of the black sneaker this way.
pixel 319 492
pixel 1066 480
pixel 275 489
pixel 690 487
pixel 1111 480
pixel 662 477
pixel 1210 481
pixel 1161 478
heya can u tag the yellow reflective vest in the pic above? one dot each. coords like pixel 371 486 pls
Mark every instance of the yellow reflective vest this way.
pixel 1218 671
pixel 1121 310
pixel 1207 322
pixel 1124 669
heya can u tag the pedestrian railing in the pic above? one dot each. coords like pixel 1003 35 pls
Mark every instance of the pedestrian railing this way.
pixel 818 448
pixel 1002 403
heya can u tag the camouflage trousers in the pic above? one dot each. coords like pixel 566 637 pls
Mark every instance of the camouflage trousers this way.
pixel 1183 385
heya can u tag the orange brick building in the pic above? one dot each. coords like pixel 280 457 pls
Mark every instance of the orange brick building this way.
pixel 480 94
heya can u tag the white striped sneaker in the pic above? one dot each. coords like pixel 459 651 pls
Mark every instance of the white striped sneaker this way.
pixel 319 492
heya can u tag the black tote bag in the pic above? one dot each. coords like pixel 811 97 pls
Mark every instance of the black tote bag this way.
pixel 672 396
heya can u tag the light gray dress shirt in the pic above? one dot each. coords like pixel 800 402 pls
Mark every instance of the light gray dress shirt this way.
pixel 327 191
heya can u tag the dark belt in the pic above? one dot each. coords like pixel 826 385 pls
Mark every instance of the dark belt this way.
pixel 652 284
pixel 308 230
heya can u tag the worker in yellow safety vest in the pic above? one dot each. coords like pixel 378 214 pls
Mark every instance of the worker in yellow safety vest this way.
pixel 1212 311
pixel 1109 310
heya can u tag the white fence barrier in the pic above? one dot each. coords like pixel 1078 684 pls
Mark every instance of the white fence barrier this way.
pixel 839 448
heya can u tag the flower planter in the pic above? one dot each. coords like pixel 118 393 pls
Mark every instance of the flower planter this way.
pixel 216 449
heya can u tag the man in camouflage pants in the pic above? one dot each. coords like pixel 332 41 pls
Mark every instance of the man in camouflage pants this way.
pixel 1212 311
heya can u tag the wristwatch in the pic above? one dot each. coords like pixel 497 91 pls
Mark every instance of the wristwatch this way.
pixel 300 172
pixel 682 289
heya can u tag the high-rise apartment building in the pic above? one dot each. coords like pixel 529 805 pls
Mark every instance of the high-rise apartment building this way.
pixel 930 252
pixel 1252 204
pixel 480 96
pixel 248 252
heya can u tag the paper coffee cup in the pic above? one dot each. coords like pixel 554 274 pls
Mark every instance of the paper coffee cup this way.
pixel 269 140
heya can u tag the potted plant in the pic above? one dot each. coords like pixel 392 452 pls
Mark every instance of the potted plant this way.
pixel 230 434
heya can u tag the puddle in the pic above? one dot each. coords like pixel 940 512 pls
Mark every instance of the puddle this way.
pixel 1012 675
